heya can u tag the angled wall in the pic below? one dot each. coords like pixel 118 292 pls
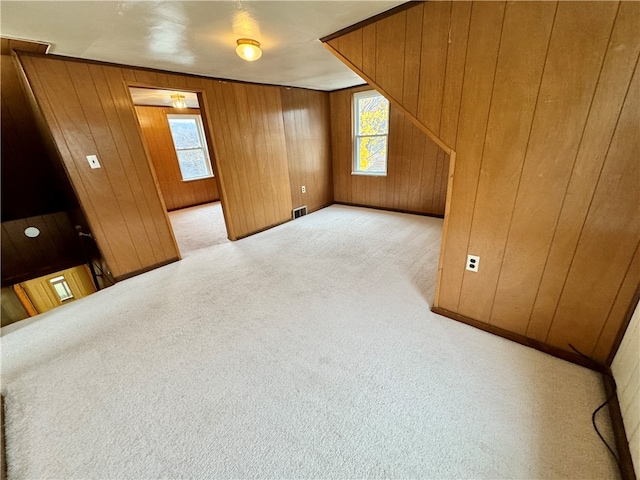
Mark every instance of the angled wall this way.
pixel 539 101
pixel 417 168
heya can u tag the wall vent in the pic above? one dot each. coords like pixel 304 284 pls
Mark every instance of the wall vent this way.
pixel 299 212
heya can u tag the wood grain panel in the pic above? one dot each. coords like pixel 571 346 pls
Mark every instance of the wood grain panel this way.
pixel 308 136
pixel 525 38
pixel 482 52
pixel 456 60
pixel 412 60
pixel 601 261
pixel 533 204
pixel 613 330
pixel 49 121
pixel 246 133
pixel 176 192
pixel 433 62
pixel 390 35
pixel 56 89
pixel 613 85
pixel 410 183
pixel 565 98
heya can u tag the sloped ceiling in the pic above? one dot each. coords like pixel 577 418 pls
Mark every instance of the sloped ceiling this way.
pixel 198 37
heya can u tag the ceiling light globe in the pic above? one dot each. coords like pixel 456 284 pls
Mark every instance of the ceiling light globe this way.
pixel 248 49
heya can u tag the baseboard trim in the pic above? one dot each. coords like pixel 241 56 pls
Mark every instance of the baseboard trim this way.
pixel 387 209
pixel 124 276
pixel 619 432
pixel 521 339
pixel 622 445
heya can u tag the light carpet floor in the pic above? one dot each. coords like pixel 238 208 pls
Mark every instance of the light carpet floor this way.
pixel 198 227
pixel 306 351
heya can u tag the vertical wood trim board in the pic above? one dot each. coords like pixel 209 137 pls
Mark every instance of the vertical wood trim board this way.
pixel 157 135
pixel 539 101
pixel 415 164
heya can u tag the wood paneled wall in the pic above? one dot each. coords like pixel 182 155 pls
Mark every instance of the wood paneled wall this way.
pixel 44 298
pixel 89 111
pixel 539 100
pixel 157 135
pixel 626 371
pixel 308 136
pixel 417 168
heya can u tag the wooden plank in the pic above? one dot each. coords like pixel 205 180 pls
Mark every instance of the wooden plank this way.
pixel 435 36
pixel 351 44
pixel 523 48
pixel 484 38
pixel 613 84
pixel 412 58
pixel 369 51
pixel 578 44
pixel 390 35
pixel 598 270
pixel 456 59
pixel 614 326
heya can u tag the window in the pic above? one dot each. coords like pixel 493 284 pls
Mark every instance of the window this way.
pixel 189 141
pixel 371 115
pixel 61 287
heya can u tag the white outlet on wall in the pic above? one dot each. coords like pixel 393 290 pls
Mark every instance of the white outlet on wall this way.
pixel 304 189
pixel 473 262
pixel 93 161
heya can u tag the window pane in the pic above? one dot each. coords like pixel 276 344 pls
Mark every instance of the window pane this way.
pixel 61 288
pixel 185 133
pixel 374 115
pixel 193 164
pixel 372 154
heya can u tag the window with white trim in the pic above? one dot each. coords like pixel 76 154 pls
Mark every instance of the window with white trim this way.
pixel 191 146
pixel 371 132
pixel 61 287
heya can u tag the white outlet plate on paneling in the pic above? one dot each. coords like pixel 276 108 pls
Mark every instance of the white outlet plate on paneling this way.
pixel 93 161
pixel 473 262
pixel 304 189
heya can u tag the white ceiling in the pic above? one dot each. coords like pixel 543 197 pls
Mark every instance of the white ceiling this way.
pixel 198 36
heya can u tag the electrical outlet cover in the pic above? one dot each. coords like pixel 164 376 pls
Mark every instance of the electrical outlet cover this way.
pixel 473 262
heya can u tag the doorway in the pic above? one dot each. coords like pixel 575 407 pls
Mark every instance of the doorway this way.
pixel 182 160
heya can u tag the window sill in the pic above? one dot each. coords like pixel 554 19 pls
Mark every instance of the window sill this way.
pixel 372 174
pixel 196 179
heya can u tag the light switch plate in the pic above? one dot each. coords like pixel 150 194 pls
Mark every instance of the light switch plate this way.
pixel 93 161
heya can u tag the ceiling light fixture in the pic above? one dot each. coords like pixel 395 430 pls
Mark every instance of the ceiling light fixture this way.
pixel 179 101
pixel 248 49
